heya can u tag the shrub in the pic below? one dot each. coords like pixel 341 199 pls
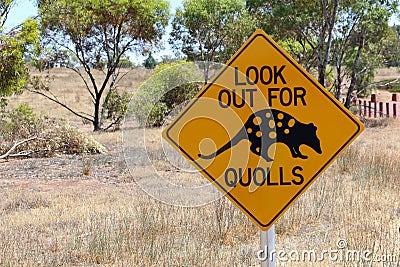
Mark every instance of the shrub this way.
pixel 52 135
pixel 115 107
pixel 150 62
pixel 169 86
pixel 125 63
pixel 23 120
pixel 354 110
pixel 394 88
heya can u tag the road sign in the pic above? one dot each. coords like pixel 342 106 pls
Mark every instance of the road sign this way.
pixel 262 130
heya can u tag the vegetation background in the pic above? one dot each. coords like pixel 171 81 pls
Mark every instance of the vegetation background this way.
pixel 67 197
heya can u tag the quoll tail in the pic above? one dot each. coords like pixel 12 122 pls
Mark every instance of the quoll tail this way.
pixel 208 156
pixel 238 137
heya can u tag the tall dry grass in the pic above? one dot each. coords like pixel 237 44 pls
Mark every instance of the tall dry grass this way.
pixel 94 223
pixel 356 200
pixel 111 222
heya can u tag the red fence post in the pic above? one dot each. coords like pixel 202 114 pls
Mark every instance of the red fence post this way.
pixel 375 106
pixel 387 110
pixel 380 109
pixel 365 108
pixel 394 110
pixel 360 107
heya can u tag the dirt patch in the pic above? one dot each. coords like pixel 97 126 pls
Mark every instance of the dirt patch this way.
pixel 104 168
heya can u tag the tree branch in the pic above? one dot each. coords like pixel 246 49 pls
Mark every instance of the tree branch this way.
pixel 15 146
pixel 118 79
pixel 55 100
pixel 85 82
pixel 4 14
pixel 116 122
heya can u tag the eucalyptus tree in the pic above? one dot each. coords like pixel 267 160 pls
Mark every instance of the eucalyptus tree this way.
pixel 211 30
pixel 345 33
pixel 359 44
pixel 98 34
pixel 305 27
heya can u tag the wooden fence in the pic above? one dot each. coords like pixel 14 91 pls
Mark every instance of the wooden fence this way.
pixel 375 109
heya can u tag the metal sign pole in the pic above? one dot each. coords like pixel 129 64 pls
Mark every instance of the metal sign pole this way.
pixel 267 242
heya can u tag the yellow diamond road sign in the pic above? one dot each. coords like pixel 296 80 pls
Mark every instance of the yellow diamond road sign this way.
pixel 262 130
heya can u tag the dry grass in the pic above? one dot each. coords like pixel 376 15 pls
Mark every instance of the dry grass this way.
pixel 68 87
pixel 356 200
pixel 382 75
pixel 88 222
pixel 93 219
pixel 387 73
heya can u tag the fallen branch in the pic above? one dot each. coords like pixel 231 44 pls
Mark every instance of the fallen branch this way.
pixel 15 146
pixel 390 82
pixel 379 84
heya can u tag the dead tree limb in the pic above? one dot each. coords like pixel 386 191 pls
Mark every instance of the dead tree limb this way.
pixel 15 146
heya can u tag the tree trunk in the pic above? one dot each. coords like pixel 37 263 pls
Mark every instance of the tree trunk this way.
pixel 354 73
pixel 96 120
pixel 338 85
pixel 112 87
pixel 321 68
pixel 323 59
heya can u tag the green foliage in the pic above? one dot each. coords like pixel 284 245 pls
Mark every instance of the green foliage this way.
pixel 211 30
pixel 294 23
pixel 366 75
pixel 150 62
pixel 157 114
pixel 330 78
pixel 119 25
pixel 319 33
pixel 394 88
pixel 3 105
pixel 362 49
pixel 22 120
pixel 169 86
pixel 14 75
pixel 125 63
pixel 19 122
pixel 48 58
pixel 116 107
pixel 391 47
pixel 303 53
pixel 100 33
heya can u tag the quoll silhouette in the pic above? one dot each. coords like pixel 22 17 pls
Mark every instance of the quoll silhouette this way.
pixel 266 127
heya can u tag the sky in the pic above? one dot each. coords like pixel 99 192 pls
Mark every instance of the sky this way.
pixel 21 10
pixel 25 9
